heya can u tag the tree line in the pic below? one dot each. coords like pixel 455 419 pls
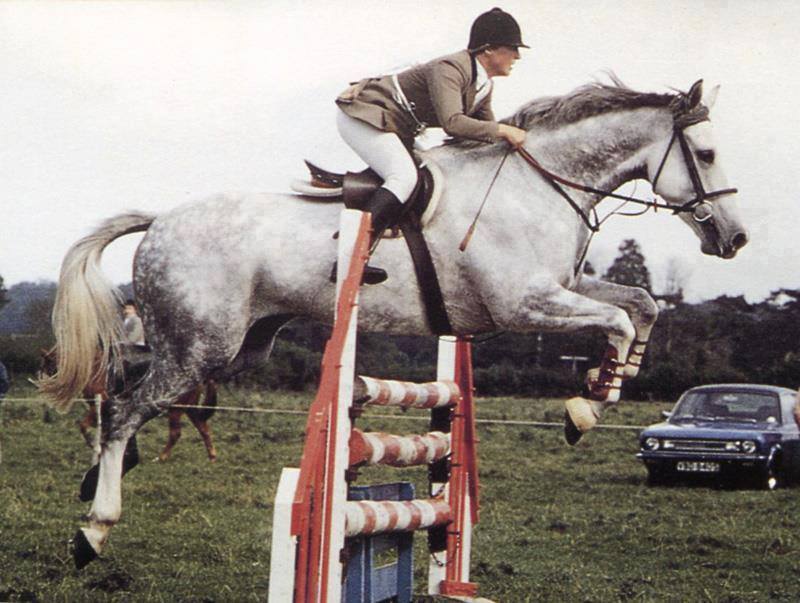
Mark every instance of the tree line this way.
pixel 725 339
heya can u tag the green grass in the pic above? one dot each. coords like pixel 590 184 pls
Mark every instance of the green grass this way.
pixel 557 523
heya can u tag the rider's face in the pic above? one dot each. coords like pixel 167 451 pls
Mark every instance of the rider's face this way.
pixel 500 60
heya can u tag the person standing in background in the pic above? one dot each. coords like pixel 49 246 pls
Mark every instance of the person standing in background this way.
pixel 134 330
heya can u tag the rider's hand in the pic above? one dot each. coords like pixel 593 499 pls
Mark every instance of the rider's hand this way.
pixel 513 135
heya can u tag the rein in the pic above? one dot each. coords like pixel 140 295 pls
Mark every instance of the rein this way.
pixel 701 195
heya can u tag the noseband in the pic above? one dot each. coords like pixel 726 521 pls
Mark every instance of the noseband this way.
pixel 701 198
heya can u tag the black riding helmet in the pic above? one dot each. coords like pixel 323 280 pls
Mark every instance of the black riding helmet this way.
pixel 494 28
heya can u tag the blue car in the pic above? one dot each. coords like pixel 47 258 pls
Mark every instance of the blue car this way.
pixel 726 432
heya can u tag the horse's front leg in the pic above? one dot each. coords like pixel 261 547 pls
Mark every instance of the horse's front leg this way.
pixel 546 306
pixel 640 307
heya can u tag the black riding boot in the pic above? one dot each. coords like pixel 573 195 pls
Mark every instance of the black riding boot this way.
pixel 385 208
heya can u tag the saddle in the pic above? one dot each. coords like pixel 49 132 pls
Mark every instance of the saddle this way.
pixel 354 189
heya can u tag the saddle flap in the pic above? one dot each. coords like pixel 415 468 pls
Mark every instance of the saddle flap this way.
pixel 358 187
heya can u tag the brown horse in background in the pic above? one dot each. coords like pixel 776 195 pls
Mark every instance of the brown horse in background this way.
pixel 96 393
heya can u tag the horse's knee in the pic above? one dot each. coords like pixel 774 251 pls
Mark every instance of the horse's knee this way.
pixel 646 306
pixel 621 328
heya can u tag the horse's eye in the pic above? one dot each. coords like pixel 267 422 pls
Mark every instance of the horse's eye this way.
pixel 706 156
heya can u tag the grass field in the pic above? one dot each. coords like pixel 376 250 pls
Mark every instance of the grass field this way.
pixel 557 523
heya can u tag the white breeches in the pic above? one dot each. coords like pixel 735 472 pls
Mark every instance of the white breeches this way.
pixel 382 151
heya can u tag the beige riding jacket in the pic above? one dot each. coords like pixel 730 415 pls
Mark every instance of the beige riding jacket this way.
pixel 441 93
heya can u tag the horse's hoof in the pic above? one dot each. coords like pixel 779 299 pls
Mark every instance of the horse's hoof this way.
pixel 89 484
pixel 82 552
pixel 578 419
pixel 571 433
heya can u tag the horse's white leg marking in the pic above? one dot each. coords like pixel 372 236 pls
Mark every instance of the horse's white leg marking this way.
pixel 107 504
pixel 639 305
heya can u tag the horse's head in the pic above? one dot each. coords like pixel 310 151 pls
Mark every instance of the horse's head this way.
pixel 685 171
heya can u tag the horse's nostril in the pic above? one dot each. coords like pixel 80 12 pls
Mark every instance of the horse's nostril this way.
pixel 739 240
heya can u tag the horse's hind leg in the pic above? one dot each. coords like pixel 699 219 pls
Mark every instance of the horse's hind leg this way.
pixel 125 417
pixel 205 432
pixel 174 431
pixel 98 416
pixel 199 416
pixel 165 380
pixel 88 422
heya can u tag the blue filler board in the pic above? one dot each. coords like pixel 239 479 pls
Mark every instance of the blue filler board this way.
pixel 365 583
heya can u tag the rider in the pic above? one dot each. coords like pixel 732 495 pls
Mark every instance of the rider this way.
pixel 381 116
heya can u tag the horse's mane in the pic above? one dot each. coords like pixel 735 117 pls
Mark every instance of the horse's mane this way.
pixel 595 98
pixel 589 100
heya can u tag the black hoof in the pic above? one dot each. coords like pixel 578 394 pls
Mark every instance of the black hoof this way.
pixel 571 433
pixel 89 484
pixel 82 551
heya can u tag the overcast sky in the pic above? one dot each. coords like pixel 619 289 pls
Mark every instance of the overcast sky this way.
pixel 112 106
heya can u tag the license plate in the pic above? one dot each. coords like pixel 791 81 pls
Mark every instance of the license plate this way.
pixel 697 467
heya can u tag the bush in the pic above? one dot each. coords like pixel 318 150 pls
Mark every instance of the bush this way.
pixel 21 353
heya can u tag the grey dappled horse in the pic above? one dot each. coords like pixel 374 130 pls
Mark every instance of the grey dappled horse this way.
pixel 216 279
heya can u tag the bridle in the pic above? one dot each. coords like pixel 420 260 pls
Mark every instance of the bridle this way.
pixel 701 198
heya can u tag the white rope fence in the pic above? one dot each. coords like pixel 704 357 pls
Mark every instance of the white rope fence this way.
pixel 289 411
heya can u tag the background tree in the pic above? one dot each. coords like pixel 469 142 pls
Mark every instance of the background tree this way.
pixel 629 267
pixel 38 311
pixel 676 275
pixel 3 293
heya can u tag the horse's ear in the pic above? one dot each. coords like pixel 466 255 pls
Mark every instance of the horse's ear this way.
pixel 711 98
pixel 695 94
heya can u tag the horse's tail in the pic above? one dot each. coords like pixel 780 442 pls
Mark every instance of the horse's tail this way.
pixel 86 315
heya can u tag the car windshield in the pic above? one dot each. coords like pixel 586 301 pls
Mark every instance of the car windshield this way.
pixel 731 406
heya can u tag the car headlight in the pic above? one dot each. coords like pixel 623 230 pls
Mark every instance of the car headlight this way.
pixel 651 444
pixel 749 446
